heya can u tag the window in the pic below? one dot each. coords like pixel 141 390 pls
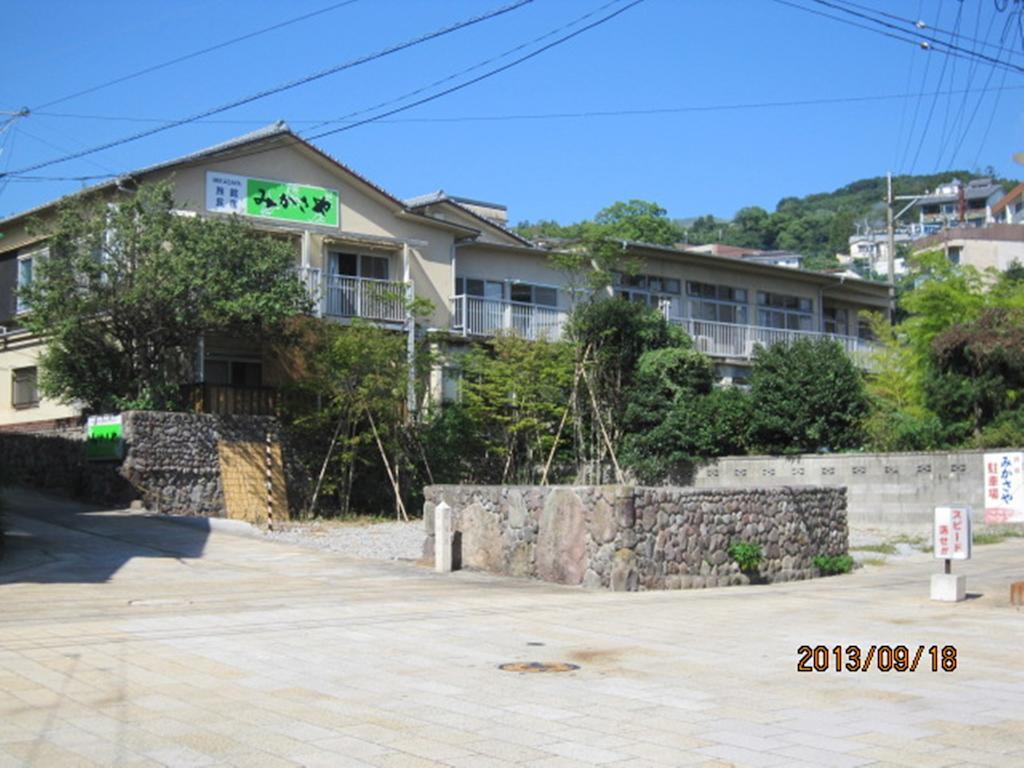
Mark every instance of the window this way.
pixel 25 266
pixel 357 265
pixel 717 303
pixel 233 373
pixel 25 388
pixel 527 293
pixel 648 283
pixel 953 254
pixel 485 289
pixel 836 321
pixel 778 310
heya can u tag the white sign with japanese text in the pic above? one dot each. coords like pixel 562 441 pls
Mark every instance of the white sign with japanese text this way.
pixel 225 192
pixel 1004 488
pixel 952 534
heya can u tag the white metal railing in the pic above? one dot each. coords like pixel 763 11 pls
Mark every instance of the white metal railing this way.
pixel 477 316
pixel 344 296
pixel 739 341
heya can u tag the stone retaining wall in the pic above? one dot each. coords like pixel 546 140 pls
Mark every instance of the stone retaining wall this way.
pixel 171 461
pixel 630 538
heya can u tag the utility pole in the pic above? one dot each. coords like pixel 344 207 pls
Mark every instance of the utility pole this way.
pixel 890 206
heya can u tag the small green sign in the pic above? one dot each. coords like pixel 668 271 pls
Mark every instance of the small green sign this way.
pixel 291 202
pixel 104 440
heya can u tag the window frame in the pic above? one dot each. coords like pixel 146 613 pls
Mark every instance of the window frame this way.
pixel 697 299
pixel 30 257
pixel 23 405
pixel 766 308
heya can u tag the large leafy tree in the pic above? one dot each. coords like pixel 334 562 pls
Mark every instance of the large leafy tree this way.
pixel 349 413
pixel 638 220
pixel 514 395
pixel 130 286
pixel 675 416
pixel 807 396
pixel 979 370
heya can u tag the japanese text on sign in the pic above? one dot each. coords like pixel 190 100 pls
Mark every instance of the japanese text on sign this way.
pixel 1004 488
pixel 952 533
pixel 228 193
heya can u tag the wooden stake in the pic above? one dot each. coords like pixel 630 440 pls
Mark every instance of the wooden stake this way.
pixel 387 466
pixel 323 468
pixel 600 422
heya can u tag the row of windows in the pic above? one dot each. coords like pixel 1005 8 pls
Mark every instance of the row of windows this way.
pixel 525 293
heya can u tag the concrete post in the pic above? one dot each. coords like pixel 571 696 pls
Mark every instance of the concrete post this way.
pixel 443 538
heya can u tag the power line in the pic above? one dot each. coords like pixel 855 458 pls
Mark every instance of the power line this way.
pixel 652 111
pixel 924 41
pixel 193 55
pixel 903 106
pixel 977 106
pixel 472 68
pixel 929 38
pixel 565 38
pixel 931 110
pixel 920 24
pixel 278 89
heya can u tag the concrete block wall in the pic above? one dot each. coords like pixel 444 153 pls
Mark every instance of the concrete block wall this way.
pixel 898 489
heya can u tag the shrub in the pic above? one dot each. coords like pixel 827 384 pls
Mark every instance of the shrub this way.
pixel 807 396
pixel 830 565
pixel 746 554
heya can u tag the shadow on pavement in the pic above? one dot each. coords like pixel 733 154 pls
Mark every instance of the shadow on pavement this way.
pixel 53 540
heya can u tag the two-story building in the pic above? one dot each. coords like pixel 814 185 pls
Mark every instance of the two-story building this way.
pixel 956 204
pixel 364 253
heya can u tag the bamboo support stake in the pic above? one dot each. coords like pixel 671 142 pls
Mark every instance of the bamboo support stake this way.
pixel 323 468
pixel 387 466
pixel 600 422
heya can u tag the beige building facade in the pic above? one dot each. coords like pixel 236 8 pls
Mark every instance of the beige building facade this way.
pixel 367 254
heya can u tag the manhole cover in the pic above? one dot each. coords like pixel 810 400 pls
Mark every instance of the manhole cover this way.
pixel 537 666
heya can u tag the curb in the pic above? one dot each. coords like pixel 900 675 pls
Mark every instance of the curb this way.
pixel 213 524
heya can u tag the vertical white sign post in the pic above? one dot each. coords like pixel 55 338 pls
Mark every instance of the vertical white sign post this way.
pixel 443 538
pixel 952 541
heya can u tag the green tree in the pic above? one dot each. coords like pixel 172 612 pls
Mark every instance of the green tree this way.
pixel 130 287
pixel 674 417
pixel 638 220
pixel 807 396
pixel 513 396
pixel 349 416
pixel 979 370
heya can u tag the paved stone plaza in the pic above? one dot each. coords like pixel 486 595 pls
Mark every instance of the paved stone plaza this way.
pixel 126 640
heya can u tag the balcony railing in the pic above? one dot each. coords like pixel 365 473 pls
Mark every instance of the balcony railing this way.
pixel 344 296
pixel 226 400
pixel 738 341
pixel 477 316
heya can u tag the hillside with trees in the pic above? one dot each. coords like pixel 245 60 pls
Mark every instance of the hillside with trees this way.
pixel 817 226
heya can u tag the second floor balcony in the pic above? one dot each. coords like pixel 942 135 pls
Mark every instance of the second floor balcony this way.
pixel 343 296
pixel 479 316
pixel 738 342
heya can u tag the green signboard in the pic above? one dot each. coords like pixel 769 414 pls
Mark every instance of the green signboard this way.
pixel 104 440
pixel 291 202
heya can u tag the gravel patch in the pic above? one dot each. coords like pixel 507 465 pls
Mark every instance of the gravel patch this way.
pixel 373 541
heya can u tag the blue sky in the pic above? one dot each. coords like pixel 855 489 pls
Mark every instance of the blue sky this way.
pixel 662 54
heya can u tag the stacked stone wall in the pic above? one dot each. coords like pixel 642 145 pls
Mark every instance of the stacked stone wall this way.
pixel 631 538
pixel 171 461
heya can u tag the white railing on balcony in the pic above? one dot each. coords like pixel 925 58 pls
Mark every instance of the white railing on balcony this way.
pixel 739 341
pixel 344 296
pixel 477 316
